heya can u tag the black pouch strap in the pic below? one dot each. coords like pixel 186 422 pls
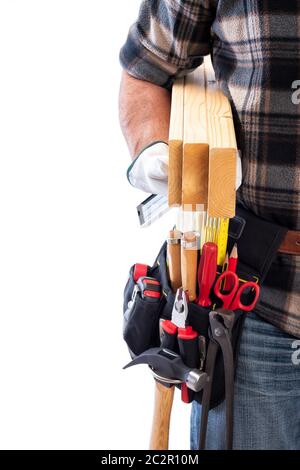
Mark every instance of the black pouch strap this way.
pixel 210 370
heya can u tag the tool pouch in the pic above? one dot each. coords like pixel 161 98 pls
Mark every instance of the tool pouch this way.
pixel 141 318
pixel 258 242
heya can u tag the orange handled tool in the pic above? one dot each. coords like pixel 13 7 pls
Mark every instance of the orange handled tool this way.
pixel 189 259
pixel 174 259
pixel 207 273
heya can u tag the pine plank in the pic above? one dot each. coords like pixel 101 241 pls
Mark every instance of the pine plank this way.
pixel 195 147
pixel 176 144
pixel 223 149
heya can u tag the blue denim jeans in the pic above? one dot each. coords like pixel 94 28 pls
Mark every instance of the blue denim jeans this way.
pixel 267 394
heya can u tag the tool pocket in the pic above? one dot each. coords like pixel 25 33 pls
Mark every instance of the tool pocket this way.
pixel 141 316
pixel 198 352
pixel 198 316
pixel 198 319
pixel 141 321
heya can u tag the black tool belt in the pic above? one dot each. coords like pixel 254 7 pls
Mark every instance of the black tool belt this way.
pixel 258 242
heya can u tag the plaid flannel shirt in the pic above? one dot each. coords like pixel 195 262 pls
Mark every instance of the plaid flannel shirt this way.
pixel 255 47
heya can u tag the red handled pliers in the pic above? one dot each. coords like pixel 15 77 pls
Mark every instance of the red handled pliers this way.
pixel 180 338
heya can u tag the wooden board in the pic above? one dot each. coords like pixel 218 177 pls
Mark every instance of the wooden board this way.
pixel 195 147
pixel 221 186
pixel 176 144
pixel 177 110
pixel 175 173
pixel 220 126
pixel 223 149
pixel 203 148
pixel 195 177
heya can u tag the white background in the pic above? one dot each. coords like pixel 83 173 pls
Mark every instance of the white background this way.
pixel 69 233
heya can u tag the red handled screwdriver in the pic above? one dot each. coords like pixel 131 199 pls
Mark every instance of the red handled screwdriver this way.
pixel 207 273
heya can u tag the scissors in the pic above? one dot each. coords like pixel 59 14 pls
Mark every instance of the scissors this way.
pixel 232 299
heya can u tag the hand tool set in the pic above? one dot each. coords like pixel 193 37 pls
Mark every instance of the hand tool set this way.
pixel 188 342
pixel 184 315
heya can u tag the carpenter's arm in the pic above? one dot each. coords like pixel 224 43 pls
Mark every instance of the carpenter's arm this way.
pixel 168 40
pixel 144 113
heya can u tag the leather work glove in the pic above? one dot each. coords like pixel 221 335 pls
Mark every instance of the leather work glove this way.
pixel 149 171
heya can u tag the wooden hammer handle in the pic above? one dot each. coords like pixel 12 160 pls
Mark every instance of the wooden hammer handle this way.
pixel 161 419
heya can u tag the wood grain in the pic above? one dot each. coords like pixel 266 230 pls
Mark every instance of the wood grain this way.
pixel 223 149
pixel 176 144
pixel 195 122
pixel 195 177
pixel 175 173
pixel 221 187
pixel 177 110
pixel 195 149
pixel 220 125
pixel 162 415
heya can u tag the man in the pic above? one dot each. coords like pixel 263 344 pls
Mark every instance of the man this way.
pixel 255 47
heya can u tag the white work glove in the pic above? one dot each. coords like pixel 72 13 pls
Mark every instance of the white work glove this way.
pixel 149 171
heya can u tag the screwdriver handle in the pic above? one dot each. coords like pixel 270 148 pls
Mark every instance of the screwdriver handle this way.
pixel 174 259
pixel 189 259
pixel 207 273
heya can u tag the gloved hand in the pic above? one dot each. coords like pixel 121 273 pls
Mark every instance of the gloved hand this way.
pixel 149 171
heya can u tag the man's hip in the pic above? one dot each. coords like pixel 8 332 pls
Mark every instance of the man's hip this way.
pixel 267 393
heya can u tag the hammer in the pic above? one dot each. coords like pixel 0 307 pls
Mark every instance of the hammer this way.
pixel 164 396
pixel 161 418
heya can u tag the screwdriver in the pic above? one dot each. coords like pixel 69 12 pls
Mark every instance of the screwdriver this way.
pixel 207 273
pixel 173 259
pixel 189 258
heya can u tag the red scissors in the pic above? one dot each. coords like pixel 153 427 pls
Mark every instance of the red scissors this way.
pixel 232 299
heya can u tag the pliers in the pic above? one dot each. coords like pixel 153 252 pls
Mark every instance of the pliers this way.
pixel 182 339
pixel 220 331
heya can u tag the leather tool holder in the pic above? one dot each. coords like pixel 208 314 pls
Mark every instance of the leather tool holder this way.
pixel 258 242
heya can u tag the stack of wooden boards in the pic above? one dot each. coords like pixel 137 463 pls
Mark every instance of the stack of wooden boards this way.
pixel 203 148
pixel 202 180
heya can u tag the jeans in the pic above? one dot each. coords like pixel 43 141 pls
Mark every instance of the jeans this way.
pixel 267 394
